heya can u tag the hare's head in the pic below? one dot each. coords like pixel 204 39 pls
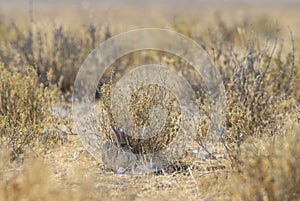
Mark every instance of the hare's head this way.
pixel 120 138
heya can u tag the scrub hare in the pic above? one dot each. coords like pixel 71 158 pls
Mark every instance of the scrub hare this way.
pixel 118 155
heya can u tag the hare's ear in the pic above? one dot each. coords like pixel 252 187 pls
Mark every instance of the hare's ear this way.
pixel 116 135
pixel 124 140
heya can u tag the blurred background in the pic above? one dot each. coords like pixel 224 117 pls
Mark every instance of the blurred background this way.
pixel 29 30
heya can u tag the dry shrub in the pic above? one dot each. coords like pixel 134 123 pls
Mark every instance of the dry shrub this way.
pixel 25 108
pixel 268 170
pixel 141 102
pixel 258 72
pixel 50 48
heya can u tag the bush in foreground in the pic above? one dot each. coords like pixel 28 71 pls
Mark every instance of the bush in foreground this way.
pixel 25 110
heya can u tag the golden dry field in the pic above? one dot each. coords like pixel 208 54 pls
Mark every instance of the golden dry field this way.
pixel 254 46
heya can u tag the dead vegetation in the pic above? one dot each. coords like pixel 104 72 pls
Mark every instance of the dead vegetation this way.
pixel 259 66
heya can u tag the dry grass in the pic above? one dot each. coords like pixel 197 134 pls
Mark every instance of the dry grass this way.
pixel 260 69
pixel 266 170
